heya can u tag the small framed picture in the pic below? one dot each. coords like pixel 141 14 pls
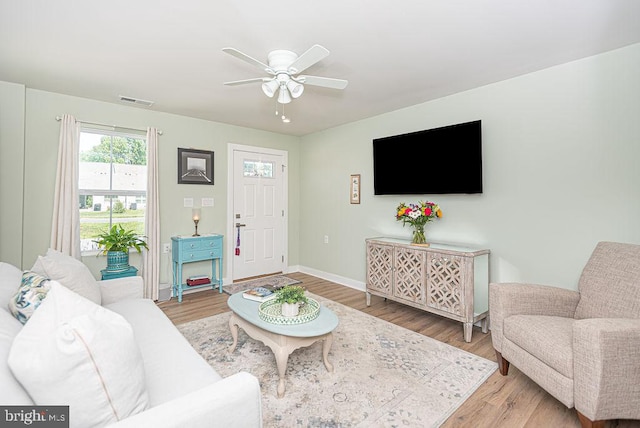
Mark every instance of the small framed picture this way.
pixel 195 166
pixel 355 189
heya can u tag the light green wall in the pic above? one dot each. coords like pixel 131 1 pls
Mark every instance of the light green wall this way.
pixel 40 155
pixel 11 167
pixel 561 155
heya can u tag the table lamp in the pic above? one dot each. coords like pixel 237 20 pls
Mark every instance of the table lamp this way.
pixel 195 214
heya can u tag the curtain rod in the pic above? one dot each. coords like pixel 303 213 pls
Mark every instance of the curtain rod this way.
pixel 59 118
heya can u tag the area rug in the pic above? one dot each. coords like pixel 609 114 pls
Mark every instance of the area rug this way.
pixel 275 281
pixel 384 375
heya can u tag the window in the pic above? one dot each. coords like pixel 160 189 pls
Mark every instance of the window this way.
pixel 112 183
pixel 254 168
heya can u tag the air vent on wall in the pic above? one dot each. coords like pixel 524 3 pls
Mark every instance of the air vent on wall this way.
pixel 136 101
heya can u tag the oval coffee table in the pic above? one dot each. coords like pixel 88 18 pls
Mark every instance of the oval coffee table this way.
pixel 282 339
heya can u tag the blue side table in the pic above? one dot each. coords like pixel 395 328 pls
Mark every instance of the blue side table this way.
pixel 188 249
pixel 106 274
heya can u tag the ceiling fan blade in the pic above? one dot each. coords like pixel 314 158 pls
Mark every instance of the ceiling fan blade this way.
pixel 246 58
pixel 242 82
pixel 326 82
pixel 307 59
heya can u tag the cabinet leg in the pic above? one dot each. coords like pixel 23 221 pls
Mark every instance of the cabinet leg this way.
pixel 368 298
pixel 179 282
pixel 468 331
pixel 484 324
pixel 219 276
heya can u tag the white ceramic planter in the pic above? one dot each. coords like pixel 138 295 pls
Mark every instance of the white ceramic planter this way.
pixel 290 309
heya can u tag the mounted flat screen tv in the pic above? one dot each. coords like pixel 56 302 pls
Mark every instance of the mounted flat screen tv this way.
pixel 435 161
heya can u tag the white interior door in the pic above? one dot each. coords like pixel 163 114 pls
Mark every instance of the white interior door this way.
pixel 258 213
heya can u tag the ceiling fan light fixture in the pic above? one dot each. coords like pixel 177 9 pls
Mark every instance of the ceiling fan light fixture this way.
pixel 295 88
pixel 284 67
pixel 283 96
pixel 269 88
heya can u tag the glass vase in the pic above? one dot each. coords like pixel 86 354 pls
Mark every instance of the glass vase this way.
pixel 418 235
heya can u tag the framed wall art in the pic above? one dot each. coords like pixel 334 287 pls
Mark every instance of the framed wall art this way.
pixel 355 189
pixel 195 166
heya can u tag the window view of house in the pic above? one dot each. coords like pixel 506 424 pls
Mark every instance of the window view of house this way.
pixel 112 183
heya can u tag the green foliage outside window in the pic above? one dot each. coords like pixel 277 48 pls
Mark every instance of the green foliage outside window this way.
pixel 125 150
pixel 118 206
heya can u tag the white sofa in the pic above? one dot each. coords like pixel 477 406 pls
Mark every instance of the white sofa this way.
pixel 184 390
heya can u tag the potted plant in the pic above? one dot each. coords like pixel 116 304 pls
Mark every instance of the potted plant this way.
pixel 291 297
pixel 115 243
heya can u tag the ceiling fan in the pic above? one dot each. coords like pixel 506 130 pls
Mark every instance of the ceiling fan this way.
pixel 284 67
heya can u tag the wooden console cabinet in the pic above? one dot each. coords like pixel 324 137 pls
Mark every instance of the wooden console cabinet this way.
pixel 443 279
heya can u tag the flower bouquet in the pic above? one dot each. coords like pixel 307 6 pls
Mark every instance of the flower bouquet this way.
pixel 417 215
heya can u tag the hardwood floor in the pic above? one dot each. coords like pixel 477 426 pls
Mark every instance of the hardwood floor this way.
pixel 502 401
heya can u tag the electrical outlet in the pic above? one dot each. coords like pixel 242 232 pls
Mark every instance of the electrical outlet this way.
pixel 326 239
pixel 166 248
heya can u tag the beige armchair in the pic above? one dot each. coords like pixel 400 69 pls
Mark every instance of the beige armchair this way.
pixel 583 347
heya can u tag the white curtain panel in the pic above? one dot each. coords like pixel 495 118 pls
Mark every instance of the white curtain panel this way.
pixel 65 226
pixel 151 258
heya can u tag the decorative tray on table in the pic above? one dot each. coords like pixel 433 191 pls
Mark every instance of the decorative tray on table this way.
pixel 271 312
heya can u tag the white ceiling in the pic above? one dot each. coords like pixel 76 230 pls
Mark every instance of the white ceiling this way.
pixel 394 53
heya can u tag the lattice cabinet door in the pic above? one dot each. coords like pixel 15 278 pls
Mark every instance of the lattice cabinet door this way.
pixel 445 279
pixel 380 268
pixel 409 275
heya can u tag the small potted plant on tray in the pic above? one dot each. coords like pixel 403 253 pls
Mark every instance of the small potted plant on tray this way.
pixel 291 297
pixel 115 243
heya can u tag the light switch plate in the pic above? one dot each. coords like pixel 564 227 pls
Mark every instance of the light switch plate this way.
pixel 207 202
pixel 188 202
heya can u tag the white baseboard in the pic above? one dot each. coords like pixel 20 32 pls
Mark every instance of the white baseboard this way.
pixel 291 269
pixel 348 282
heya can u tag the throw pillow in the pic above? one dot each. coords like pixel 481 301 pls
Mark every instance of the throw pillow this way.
pixel 70 272
pixel 9 283
pixel 32 291
pixel 76 353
